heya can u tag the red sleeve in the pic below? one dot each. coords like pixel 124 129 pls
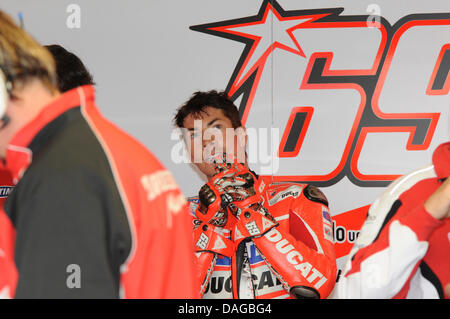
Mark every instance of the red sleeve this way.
pixel 209 242
pixel 163 262
pixel 172 272
pixel 421 222
pixel 302 252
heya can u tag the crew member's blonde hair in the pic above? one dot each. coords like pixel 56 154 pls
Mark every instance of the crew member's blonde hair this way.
pixel 22 57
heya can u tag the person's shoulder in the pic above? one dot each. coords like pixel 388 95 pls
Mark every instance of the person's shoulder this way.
pixel 295 192
pixel 122 146
pixel 387 204
pixel 283 190
pixel 382 205
pixel 407 181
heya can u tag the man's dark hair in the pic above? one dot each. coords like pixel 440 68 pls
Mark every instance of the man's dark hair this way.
pixel 200 100
pixel 71 72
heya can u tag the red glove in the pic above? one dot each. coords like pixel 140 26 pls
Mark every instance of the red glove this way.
pixel 209 238
pixel 232 183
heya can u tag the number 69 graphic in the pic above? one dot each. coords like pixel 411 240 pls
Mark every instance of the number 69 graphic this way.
pixel 356 101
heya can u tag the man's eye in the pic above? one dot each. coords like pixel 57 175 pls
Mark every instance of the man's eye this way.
pixel 13 97
pixel 216 127
pixel 195 135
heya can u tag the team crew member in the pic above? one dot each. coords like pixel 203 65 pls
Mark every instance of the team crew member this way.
pixel 252 240
pixel 70 70
pixel 403 250
pixel 71 73
pixel 6 185
pixel 93 214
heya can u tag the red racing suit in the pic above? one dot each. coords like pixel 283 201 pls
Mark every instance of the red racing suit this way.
pixel 402 251
pixel 298 251
pixel 91 202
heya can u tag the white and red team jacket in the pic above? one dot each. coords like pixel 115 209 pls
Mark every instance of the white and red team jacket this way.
pixel 302 243
pixel 402 251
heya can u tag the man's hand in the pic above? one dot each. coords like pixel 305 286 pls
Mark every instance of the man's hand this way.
pixel 232 183
pixel 234 179
pixel 438 204
pixel 213 206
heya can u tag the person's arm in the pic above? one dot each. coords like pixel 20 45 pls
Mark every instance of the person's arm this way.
pixel 63 238
pixel 438 204
pixel 306 270
pixel 165 268
pixel 381 268
pixel 209 242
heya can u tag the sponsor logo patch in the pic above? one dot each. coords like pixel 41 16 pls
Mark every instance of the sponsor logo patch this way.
pixel 5 190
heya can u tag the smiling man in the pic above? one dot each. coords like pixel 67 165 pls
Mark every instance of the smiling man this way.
pixel 253 240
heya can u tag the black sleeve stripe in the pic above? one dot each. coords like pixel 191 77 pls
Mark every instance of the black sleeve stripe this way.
pixel 432 278
pixel 394 208
pixel 390 214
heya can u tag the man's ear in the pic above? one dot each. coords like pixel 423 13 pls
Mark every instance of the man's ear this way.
pixel 3 94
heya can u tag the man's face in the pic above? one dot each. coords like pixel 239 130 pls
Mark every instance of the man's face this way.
pixel 14 109
pixel 22 107
pixel 210 134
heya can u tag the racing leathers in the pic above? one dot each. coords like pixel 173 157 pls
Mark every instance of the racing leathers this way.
pixel 93 213
pixel 402 251
pixel 275 243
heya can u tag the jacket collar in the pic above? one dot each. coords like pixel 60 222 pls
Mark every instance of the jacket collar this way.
pixel 18 153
